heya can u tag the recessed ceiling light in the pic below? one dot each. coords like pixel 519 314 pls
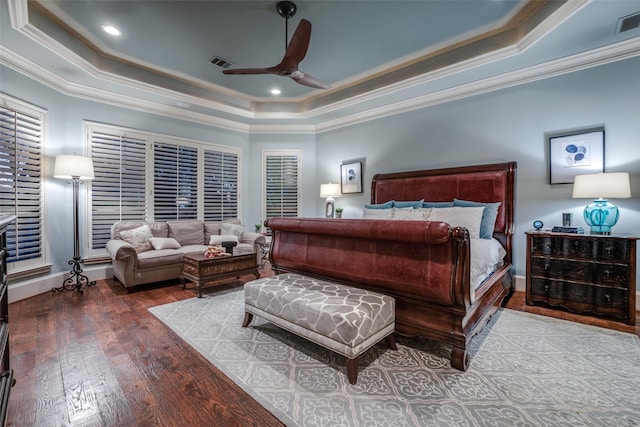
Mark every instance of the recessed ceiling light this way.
pixel 276 91
pixel 110 29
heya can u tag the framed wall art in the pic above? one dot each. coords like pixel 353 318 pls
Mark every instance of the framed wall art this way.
pixel 576 153
pixel 351 178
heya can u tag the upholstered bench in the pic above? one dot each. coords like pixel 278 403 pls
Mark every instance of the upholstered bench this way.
pixel 343 319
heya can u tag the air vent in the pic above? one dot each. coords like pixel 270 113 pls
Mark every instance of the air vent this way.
pixel 220 62
pixel 629 22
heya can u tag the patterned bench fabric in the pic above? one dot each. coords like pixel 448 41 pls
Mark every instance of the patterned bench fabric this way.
pixel 344 319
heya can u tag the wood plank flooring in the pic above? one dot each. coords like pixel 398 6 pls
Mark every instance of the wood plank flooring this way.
pixel 101 359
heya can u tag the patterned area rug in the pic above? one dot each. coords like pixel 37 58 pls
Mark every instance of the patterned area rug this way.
pixel 526 370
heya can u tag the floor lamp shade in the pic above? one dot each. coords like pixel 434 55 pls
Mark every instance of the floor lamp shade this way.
pixel 601 215
pixel 71 166
pixel 329 191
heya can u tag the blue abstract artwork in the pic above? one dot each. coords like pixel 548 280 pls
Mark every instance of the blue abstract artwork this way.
pixel 576 154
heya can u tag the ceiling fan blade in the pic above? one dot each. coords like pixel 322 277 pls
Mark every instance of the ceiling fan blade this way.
pixel 308 80
pixel 270 70
pixel 297 49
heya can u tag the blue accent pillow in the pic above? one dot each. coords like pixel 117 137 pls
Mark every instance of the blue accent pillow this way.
pixel 413 204
pixel 489 215
pixel 386 205
pixel 437 204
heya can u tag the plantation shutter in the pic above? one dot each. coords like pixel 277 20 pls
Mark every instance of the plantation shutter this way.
pixel 220 185
pixel 21 139
pixel 175 186
pixel 282 184
pixel 118 192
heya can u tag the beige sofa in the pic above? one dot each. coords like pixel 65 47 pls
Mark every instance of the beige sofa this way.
pixel 139 258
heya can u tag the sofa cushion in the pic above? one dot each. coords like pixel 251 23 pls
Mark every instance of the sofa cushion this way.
pixel 164 243
pixel 244 249
pixel 159 229
pixel 161 257
pixel 216 240
pixel 187 232
pixel 138 238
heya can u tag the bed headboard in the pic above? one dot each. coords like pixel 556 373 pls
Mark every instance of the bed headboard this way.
pixel 480 183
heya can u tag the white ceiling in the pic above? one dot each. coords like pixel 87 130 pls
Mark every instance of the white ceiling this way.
pixel 374 54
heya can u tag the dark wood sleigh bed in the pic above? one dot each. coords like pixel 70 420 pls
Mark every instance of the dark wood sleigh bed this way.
pixel 424 265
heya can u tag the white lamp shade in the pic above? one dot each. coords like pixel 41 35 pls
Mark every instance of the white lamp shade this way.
pixel 330 190
pixel 71 166
pixel 602 185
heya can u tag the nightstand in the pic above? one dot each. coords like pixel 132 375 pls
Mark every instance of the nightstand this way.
pixel 583 273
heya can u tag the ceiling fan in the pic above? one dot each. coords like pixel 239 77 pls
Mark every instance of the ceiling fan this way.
pixel 294 53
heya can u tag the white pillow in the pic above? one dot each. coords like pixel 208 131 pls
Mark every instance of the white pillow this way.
pixel 138 238
pixel 164 243
pixel 377 213
pixel 470 218
pixel 217 239
pixel 228 229
pixel 411 214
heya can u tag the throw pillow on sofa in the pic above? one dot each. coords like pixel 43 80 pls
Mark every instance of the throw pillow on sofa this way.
pixel 164 243
pixel 138 238
pixel 235 229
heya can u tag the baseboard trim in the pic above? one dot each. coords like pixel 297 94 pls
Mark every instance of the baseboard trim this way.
pixel 40 285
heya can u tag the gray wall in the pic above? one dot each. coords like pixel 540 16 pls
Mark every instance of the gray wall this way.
pixel 505 125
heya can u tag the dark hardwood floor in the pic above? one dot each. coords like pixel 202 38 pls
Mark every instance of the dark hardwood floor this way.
pixel 101 359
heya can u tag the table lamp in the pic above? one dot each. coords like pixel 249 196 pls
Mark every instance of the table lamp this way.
pixel 329 191
pixel 601 215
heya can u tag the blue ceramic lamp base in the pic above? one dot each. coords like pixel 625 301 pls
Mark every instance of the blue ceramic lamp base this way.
pixel 601 216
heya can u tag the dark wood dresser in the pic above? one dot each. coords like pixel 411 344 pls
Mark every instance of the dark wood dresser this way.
pixel 582 273
pixel 6 374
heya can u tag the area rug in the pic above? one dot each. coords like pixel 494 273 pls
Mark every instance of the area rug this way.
pixel 526 370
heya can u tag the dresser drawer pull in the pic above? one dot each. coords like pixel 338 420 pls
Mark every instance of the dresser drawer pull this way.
pixel 547 246
pixel 608 250
pixel 607 297
pixel 546 267
pixel 546 290
pixel 607 273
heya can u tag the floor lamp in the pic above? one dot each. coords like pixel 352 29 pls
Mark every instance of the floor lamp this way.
pixel 76 170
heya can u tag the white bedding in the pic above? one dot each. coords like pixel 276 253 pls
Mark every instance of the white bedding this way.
pixel 487 256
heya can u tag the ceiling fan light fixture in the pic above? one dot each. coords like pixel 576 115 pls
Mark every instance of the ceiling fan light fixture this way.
pixel 111 30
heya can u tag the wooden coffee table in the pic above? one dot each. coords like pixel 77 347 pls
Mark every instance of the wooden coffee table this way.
pixel 200 269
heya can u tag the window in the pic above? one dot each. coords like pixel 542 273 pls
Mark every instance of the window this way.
pixel 175 182
pixel 220 185
pixel 21 144
pixel 142 176
pixel 281 183
pixel 118 192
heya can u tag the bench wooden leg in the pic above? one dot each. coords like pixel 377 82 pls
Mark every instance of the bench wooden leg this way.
pixel 352 370
pixel 248 317
pixel 391 341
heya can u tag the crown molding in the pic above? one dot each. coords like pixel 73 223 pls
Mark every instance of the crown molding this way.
pixel 613 53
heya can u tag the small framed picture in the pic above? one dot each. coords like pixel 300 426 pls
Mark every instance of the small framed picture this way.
pixel 351 181
pixel 576 153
